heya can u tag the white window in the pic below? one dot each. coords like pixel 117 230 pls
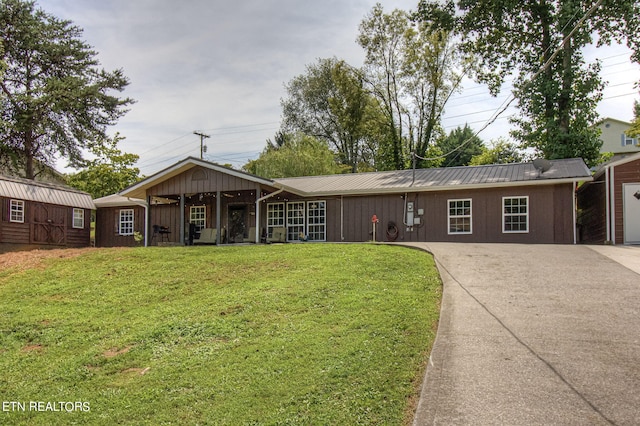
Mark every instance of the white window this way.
pixel 16 211
pixel 78 218
pixel 628 140
pixel 316 221
pixel 125 224
pixel 460 216
pixel 275 217
pixel 295 221
pixel 515 217
pixel 198 216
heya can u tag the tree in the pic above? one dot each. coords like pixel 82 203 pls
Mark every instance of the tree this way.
pixel 56 99
pixel 634 130
pixel 460 146
pixel 109 173
pixel 301 155
pixel 542 42
pixel 501 151
pixel 330 103
pixel 409 69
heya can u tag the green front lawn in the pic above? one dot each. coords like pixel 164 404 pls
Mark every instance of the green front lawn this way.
pixel 282 334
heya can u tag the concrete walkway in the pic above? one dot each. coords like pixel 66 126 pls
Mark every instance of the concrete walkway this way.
pixel 534 335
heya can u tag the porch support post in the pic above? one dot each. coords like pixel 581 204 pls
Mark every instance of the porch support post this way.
pixel 181 230
pixel 218 216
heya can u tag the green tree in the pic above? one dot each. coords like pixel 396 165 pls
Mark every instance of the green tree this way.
pixel 460 146
pixel 634 130
pixel 109 173
pixel 409 69
pixel 329 102
pixel 301 155
pixel 501 151
pixel 57 101
pixel 542 43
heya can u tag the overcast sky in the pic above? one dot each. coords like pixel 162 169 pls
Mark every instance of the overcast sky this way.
pixel 219 67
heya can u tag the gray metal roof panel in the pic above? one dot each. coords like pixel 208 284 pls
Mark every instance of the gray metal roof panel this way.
pixel 437 178
pixel 29 190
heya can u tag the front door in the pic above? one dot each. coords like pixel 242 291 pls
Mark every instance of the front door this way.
pixel 631 200
pixel 237 223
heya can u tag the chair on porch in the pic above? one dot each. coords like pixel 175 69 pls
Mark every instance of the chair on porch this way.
pixel 161 232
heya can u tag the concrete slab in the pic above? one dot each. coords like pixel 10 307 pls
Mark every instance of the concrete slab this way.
pixel 533 335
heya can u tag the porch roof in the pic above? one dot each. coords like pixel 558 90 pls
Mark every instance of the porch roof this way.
pixel 30 190
pixel 139 189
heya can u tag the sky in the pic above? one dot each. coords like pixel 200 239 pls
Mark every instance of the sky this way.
pixel 220 68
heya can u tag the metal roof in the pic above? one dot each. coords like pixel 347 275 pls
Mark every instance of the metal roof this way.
pixel 438 179
pixel 138 190
pixel 117 200
pixel 29 190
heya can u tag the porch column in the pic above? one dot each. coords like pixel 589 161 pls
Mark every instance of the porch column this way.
pixel 181 230
pixel 218 216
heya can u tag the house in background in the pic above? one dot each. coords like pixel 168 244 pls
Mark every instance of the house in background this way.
pixel 614 138
pixel 195 201
pixel 609 206
pixel 43 215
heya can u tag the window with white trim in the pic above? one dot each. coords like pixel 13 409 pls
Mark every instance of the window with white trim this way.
pixel 295 220
pixel 275 217
pixel 515 217
pixel 628 140
pixel 16 211
pixel 78 218
pixel 316 221
pixel 125 222
pixel 460 216
pixel 198 217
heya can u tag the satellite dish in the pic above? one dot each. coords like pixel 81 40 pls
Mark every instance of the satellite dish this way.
pixel 541 165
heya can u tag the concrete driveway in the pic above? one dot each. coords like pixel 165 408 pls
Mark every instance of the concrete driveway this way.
pixel 534 335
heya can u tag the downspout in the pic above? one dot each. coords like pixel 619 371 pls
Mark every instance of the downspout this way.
pixel 607 205
pixel 342 218
pixel 612 200
pixel 575 215
pixel 273 194
pixel 146 219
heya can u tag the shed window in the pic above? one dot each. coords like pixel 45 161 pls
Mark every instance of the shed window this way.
pixel 16 211
pixel 460 216
pixel 515 216
pixel 126 222
pixel 198 216
pixel 78 218
pixel 275 217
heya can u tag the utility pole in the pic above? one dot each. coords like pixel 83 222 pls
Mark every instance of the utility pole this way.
pixel 202 147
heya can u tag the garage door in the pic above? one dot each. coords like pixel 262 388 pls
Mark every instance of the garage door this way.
pixel 631 192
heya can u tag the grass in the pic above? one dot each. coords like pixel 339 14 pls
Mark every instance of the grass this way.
pixel 282 334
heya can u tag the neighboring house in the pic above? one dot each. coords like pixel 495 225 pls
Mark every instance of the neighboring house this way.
pixel 43 215
pixel 510 203
pixel 609 206
pixel 614 138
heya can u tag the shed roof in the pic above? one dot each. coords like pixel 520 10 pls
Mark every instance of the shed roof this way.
pixel 29 190
pixel 617 161
pixel 438 179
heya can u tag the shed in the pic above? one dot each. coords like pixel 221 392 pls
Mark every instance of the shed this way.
pixel 196 201
pixel 609 206
pixel 119 219
pixel 43 215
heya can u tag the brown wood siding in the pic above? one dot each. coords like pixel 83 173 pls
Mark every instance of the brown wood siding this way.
pixel 550 216
pixel 107 220
pixel 45 225
pixel 625 173
pixel 592 214
pixel 187 183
